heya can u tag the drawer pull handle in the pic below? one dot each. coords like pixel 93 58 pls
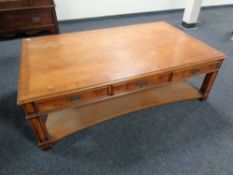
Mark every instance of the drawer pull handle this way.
pixel 35 19
pixel 195 71
pixel 75 98
pixel 142 83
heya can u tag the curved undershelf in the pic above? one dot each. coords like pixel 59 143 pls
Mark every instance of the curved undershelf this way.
pixel 65 122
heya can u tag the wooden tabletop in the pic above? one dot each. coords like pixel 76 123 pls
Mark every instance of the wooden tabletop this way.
pixel 61 64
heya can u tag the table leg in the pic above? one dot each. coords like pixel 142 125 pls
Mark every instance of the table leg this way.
pixel 207 84
pixel 39 128
pixel 41 133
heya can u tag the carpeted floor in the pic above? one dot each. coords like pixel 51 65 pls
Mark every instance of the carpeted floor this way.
pixel 184 138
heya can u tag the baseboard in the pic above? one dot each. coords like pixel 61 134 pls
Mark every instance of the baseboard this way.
pixel 100 18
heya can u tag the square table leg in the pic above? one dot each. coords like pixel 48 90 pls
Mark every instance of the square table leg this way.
pixel 207 84
pixel 39 128
pixel 41 133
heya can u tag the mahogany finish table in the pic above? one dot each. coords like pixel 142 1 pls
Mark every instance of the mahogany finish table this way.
pixel 72 81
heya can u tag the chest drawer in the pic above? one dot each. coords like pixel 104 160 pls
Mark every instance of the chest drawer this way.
pixel 78 98
pixel 195 71
pixel 27 18
pixel 41 2
pixel 5 4
pixel 140 83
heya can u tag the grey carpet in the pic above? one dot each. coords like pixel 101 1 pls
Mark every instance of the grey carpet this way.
pixel 184 138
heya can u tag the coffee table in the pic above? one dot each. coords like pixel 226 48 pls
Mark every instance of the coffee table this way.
pixel 72 81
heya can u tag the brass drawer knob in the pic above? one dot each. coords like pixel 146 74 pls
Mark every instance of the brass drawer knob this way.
pixel 74 98
pixel 36 19
pixel 195 71
pixel 142 83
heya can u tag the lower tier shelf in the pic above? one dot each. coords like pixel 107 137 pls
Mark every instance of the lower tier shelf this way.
pixel 65 122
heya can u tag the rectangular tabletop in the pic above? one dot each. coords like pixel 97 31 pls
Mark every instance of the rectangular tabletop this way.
pixel 60 64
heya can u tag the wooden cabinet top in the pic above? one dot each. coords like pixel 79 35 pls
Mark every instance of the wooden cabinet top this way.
pixel 61 64
pixel 12 5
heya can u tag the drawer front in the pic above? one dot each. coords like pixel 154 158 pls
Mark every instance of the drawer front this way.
pixel 71 100
pixel 140 83
pixel 41 2
pixel 8 4
pixel 195 71
pixel 28 18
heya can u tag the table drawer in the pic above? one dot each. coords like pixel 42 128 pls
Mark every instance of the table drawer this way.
pixel 195 71
pixel 140 83
pixel 27 18
pixel 57 103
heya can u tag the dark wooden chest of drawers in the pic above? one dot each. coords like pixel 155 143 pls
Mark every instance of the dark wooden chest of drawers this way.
pixel 27 16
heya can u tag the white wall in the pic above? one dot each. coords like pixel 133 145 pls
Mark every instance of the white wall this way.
pixel 78 9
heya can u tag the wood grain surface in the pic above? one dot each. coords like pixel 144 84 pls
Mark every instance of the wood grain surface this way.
pixel 56 65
